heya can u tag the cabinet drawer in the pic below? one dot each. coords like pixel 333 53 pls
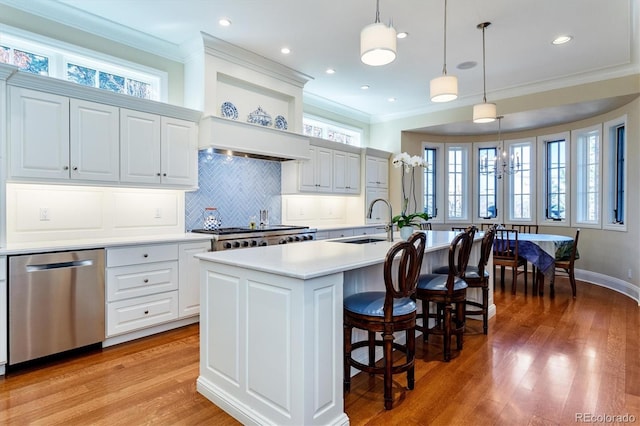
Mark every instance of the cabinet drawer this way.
pixel 132 314
pixel 341 233
pixel 125 282
pixel 141 254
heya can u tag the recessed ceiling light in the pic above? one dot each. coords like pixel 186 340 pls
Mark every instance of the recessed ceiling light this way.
pixel 466 65
pixel 562 39
pixel 392 99
pixel 402 35
pixel 285 50
pixel 365 87
pixel 330 71
pixel 224 22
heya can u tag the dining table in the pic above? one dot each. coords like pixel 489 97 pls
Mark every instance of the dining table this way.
pixel 542 250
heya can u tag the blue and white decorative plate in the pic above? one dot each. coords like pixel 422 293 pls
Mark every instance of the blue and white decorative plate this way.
pixel 280 122
pixel 260 117
pixel 229 110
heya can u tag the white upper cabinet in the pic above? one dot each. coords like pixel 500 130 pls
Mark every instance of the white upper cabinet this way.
pixel 139 147
pixel 39 135
pixel 55 137
pixel 316 175
pixel 377 172
pixel 94 143
pixel 346 172
pixel 156 149
pixel 64 132
pixel 179 152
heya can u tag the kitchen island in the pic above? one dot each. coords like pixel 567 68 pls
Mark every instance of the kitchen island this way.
pixel 271 325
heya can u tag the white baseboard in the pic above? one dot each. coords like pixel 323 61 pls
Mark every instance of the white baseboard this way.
pixel 611 283
pixel 116 340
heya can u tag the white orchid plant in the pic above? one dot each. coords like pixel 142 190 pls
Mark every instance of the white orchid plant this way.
pixel 408 163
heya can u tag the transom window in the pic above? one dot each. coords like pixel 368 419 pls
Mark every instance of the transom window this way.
pixel 336 132
pixel 39 55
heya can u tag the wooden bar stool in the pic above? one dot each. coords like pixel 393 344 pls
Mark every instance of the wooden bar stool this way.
pixel 445 291
pixel 386 312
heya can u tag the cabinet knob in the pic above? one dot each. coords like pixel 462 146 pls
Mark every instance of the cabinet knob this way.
pixel 65 168
pixel 75 168
pixel 145 255
pixel 146 280
pixel 157 174
pixel 164 174
pixel 146 312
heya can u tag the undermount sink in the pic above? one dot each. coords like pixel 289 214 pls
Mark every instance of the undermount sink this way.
pixel 362 240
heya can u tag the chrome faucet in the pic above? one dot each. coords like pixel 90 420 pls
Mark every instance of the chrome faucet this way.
pixel 388 226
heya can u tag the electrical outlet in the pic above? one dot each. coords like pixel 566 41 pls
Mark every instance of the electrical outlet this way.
pixel 158 213
pixel 44 214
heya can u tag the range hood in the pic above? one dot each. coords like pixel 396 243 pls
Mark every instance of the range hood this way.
pixel 251 140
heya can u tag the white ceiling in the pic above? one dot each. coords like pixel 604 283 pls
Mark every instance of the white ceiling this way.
pixel 520 58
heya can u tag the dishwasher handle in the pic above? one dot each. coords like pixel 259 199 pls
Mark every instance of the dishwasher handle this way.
pixel 59 265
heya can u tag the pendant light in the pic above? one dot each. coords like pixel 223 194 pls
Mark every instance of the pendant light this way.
pixel 484 112
pixel 444 88
pixel 378 42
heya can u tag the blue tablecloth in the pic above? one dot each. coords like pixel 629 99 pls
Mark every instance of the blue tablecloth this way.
pixel 541 250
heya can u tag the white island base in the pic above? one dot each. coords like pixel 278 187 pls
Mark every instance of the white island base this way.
pixel 271 326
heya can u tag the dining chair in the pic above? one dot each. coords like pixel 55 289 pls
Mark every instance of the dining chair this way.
pixel 459 228
pixel 487 225
pixel 386 312
pixel 567 265
pixel 525 228
pixel 425 226
pixel 444 291
pixel 505 253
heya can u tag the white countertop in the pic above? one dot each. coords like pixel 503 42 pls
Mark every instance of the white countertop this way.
pixel 63 245
pixel 318 258
pixel 323 228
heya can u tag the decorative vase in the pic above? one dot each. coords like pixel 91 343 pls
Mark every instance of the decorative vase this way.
pixel 406 231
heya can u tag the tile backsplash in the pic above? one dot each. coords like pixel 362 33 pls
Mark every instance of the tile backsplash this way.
pixel 239 187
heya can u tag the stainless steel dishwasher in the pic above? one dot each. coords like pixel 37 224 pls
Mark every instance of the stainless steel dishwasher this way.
pixel 56 303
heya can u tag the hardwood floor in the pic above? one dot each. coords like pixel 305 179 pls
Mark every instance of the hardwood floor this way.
pixel 544 361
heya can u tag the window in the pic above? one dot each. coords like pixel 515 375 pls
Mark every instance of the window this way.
pixel 487 183
pixel 521 196
pixel 587 153
pixel 618 212
pixel 430 182
pixel 336 132
pixel 433 181
pixel 555 182
pixel 43 56
pixel 457 180
pixel 614 175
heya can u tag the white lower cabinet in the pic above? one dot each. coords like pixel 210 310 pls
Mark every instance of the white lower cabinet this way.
pixel 150 285
pixel 3 313
pixel 189 278
pixel 132 314
pixel 142 287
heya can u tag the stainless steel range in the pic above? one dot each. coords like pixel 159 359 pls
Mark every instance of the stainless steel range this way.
pixel 234 238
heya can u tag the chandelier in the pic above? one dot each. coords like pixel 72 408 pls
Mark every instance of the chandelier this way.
pixel 502 164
